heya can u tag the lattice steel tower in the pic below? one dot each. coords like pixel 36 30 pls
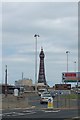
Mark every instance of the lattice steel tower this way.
pixel 41 76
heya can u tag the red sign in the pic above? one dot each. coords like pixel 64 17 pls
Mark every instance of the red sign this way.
pixel 70 74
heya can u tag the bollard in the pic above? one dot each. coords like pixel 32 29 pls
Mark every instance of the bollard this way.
pixel 50 103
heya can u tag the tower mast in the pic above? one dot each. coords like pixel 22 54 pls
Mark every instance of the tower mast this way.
pixel 41 77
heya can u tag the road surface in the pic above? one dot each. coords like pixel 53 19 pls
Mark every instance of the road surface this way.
pixel 40 113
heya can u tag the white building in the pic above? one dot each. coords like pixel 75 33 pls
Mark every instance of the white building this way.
pixel 24 82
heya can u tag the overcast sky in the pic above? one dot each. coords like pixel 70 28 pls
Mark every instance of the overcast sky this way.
pixel 57 25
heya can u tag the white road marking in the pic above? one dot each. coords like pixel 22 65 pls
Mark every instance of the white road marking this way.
pixel 0 114
pixel 76 117
pixel 9 113
pixel 31 113
pixel 19 113
pixel 52 111
pixel 27 111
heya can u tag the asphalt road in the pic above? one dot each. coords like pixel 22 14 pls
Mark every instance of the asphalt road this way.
pixel 58 102
pixel 40 113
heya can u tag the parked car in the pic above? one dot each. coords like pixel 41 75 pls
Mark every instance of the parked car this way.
pixel 46 92
pixel 45 97
pixel 51 93
pixel 77 92
pixel 40 91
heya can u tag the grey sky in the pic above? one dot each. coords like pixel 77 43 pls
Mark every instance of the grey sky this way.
pixel 57 25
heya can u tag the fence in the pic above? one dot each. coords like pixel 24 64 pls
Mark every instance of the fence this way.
pixel 66 101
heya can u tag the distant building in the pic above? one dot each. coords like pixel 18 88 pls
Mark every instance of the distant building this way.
pixel 62 86
pixel 10 88
pixel 24 82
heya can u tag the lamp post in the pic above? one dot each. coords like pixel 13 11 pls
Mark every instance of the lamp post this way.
pixel 67 59
pixel 74 66
pixel 67 72
pixel 77 75
pixel 36 36
pixel 22 75
pixel 6 81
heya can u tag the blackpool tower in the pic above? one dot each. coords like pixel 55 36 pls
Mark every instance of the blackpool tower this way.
pixel 41 76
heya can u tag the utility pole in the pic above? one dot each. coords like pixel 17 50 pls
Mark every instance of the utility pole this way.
pixel 22 78
pixel 74 66
pixel 67 59
pixel 22 75
pixel 36 61
pixel 6 81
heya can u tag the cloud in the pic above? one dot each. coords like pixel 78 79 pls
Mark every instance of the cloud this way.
pixel 56 23
pixel 65 23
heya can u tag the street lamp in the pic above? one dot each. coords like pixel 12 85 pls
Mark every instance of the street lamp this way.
pixel 6 81
pixel 74 66
pixel 36 36
pixel 67 72
pixel 77 75
pixel 67 59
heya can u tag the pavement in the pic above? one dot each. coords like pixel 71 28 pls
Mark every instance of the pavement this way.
pixel 37 113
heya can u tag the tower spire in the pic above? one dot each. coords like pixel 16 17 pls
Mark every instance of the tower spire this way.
pixel 41 48
pixel 41 77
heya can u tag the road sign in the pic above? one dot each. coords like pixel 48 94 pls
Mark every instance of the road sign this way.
pixel 71 76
